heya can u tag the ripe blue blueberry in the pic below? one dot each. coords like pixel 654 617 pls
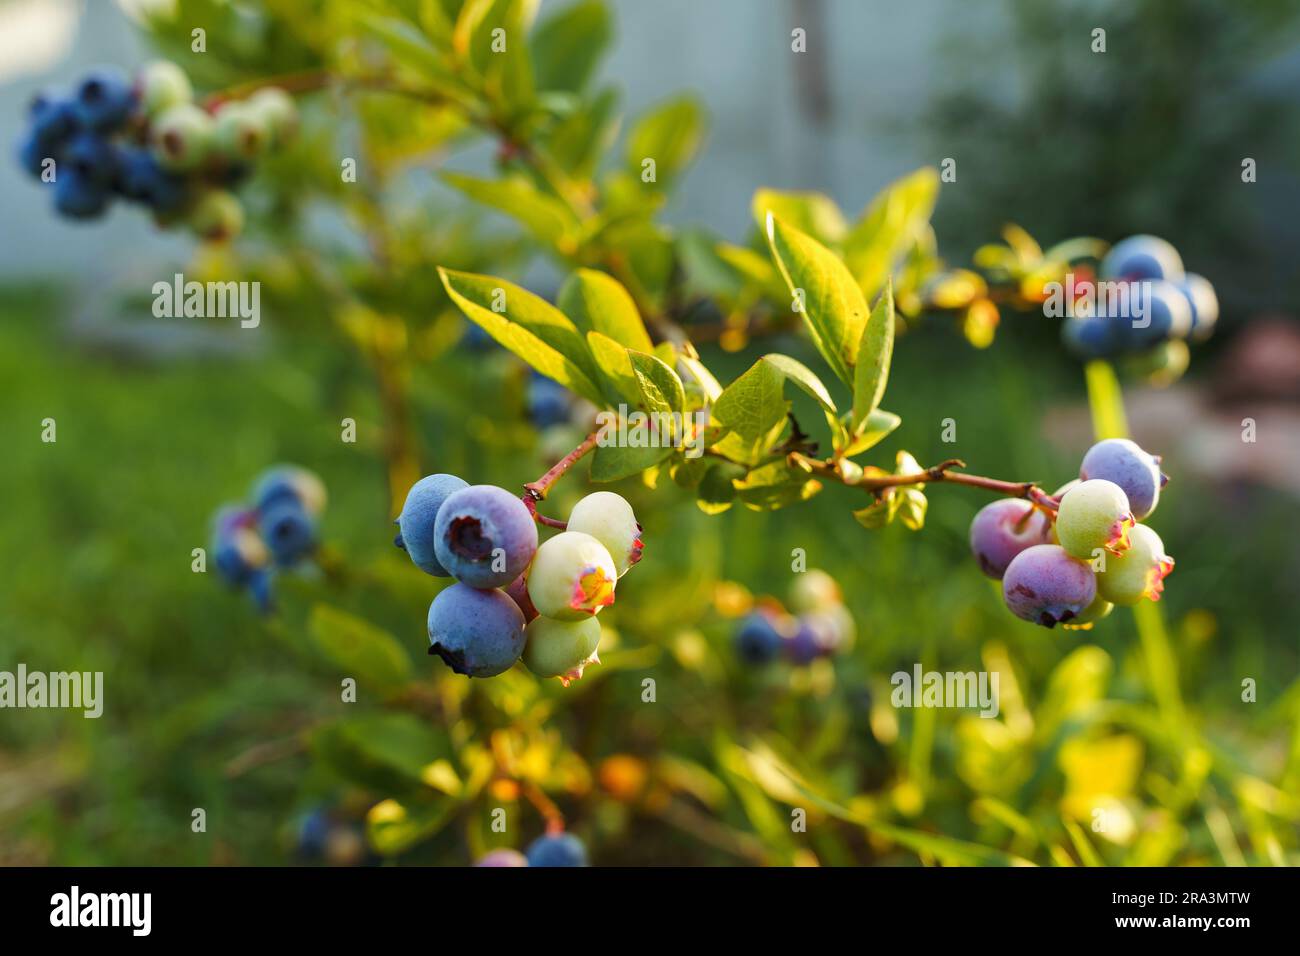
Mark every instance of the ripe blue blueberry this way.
pixel 802 643
pixel 1044 585
pixel 1154 312
pixel 141 177
pixel 548 402
pixel 79 198
pixel 476 633
pixel 757 640
pixel 1142 257
pixel 1092 336
pixel 557 849
pixel 32 154
pixel 237 551
pixel 53 119
pixel 1124 462
pixel 1204 302
pixel 289 482
pixel 104 100
pixel 91 158
pixel 484 536
pixel 288 530
pixel 313 834
pixel 261 587
pixel 1004 528
pixel 419 514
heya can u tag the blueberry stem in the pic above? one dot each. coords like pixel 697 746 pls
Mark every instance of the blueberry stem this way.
pixel 535 491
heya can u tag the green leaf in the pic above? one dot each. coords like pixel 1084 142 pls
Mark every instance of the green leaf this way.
pixel 753 410
pixel 834 309
pixel 411 49
pixel 871 432
pixel 389 751
pixel 529 326
pixel 911 508
pixel 696 370
pixel 579 141
pixel 876 348
pixel 670 134
pixel 802 376
pixel 888 226
pixel 615 367
pixel 507 74
pixel 394 826
pixel 717 489
pixel 812 213
pixel 598 302
pixel 612 462
pixel 661 388
pixel 879 513
pixel 568 45
pixel 547 218
pixel 360 649
pixel 776 485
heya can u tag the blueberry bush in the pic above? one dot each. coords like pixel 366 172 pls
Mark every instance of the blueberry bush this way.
pixel 549 335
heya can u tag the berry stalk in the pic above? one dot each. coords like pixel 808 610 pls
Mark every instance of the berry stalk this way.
pixel 942 472
pixel 535 491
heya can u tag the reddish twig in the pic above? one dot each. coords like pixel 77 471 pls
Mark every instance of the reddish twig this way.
pixel 935 474
pixel 535 491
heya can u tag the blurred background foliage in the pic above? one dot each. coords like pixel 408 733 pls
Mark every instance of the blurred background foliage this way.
pixel 210 706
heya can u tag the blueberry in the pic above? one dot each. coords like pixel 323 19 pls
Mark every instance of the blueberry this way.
pixel 503 858
pixel 141 177
pixel 79 198
pixel 1004 528
pixel 548 402
pixel 419 514
pixel 53 119
pixel 1046 586
pixel 288 530
pixel 1205 304
pixel 803 644
pixel 32 154
pixel 1093 516
pixel 1156 311
pixel 91 158
pixel 239 133
pixel 216 215
pixel 163 84
pixel 276 110
pixel 181 137
pixel 1089 337
pixel 313 834
pixel 104 100
pixel 758 641
pixel 557 849
pixel 812 590
pixel 1142 257
pixel 476 633
pixel 289 482
pixel 561 649
pixel 1125 463
pixel 485 536
pixel 572 577
pixel 609 519
pixel 237 551
pixel 518 592
pixel 833 629
pixel 260 586
pixel 1139 572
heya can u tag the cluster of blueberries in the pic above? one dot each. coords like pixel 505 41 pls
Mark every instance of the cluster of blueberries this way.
pixel 146 141
pixel 820 625
pixel 1073 567
pixel 1156 310
pixel 554 849
pixel 277 532
pixel 515 597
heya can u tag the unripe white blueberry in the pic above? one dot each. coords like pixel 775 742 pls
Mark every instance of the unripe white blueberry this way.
pixel 1137 573
pixel 561 648
pixel 1093 515
pixel 572 577
pixel 609 519
pixel 163 84
pixel 812 590
pixel 181 137
pixel 240 133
